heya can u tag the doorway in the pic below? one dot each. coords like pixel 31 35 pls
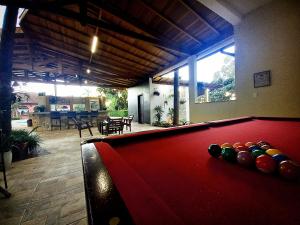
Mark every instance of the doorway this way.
pixel 140 108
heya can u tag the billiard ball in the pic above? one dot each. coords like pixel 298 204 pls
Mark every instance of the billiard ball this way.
pixel 226 145
pixel 273 151
pixel 289 170
pixel 254 147
pixel 265 164
pixel 214 150
pixel 229 154
pixel 235 145
pixel 245 158
pixel 279 158
pixel 261 143
pixel 257 152
pixel 249 143
pixel 241 148
pixel 265 147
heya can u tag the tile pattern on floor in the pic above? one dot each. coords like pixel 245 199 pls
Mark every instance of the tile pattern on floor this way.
pixel 49 190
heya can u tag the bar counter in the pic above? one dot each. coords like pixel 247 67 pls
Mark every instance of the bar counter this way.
pixel 42 119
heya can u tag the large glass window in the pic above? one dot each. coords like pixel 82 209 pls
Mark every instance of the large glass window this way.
pixel 216 76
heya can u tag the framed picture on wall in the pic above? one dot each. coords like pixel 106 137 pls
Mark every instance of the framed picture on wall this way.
pixel 262 79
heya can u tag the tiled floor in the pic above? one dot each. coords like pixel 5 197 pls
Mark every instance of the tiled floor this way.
pixel 49 189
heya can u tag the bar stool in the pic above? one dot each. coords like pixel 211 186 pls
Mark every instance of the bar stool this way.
pixel 94 117
pixel 70 121
pixel 55 119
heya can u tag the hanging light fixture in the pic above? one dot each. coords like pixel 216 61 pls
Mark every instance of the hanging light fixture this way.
pixel 88 71
pixel 85 81
pixel 94 44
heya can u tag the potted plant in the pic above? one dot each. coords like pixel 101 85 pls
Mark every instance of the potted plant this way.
pixel 7 153
pixel 158 113
pixel 156 92
pixel 23 142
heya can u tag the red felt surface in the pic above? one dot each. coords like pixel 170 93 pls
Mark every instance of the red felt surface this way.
pixel 140 199
pixel 203 190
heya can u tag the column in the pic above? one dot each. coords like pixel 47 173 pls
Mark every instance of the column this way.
pixel 176 98
pixel 6 55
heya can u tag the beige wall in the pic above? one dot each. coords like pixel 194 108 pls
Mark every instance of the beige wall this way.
pixel 266 39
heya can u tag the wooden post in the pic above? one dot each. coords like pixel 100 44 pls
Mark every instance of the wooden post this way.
pixel 176 98
pixel 6 55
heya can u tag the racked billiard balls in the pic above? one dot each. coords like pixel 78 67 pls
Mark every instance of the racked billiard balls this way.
pixel 265 164
pixel 214 150
pixel 229 154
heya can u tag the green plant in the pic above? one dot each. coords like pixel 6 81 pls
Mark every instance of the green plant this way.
pixel 158 112
pixel 21 136
pixel 171 113
pixel 118 113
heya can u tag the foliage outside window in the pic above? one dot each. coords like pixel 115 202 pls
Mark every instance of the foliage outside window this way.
pixel 115 100
pixel 216 77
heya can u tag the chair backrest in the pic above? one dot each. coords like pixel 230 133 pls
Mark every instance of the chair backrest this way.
pixel 71 114
pixel 54 115
pixel 84 114
pixel 116 123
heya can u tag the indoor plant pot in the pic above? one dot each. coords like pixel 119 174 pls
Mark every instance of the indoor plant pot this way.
pixel 7 159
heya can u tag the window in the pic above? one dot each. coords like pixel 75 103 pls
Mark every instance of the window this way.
pixel 216 76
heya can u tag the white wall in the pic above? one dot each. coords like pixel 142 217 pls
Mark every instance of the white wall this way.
pixel 266 39
pixel 165 95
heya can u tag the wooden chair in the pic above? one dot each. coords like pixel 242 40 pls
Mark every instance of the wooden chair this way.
pixel 55 119
pixel 127 122
pixel 82 126
pixel 113 126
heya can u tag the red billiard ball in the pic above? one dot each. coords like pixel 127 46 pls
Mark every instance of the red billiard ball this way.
pixel 289 170
pixel 265 164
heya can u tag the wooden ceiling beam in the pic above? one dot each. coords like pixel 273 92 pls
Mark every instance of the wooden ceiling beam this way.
pixel 29 5
pixel 68 27
pixel 99 65
pixel 132 21
pixel 76 39
pixel 77 48
pixel 105 68
pixel 111 56
pixel 97 23
pixel 188 6
pixel 169 21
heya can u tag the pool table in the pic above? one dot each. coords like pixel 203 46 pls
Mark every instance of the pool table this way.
pixel 167 176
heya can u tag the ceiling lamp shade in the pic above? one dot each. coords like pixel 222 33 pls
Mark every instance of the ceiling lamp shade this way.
pixel 94 44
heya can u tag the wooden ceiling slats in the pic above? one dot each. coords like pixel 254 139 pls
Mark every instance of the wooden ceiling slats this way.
pixel 137 38
pixel 80 49
pixel 76 38
pixel 187 5
pixel 172 23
